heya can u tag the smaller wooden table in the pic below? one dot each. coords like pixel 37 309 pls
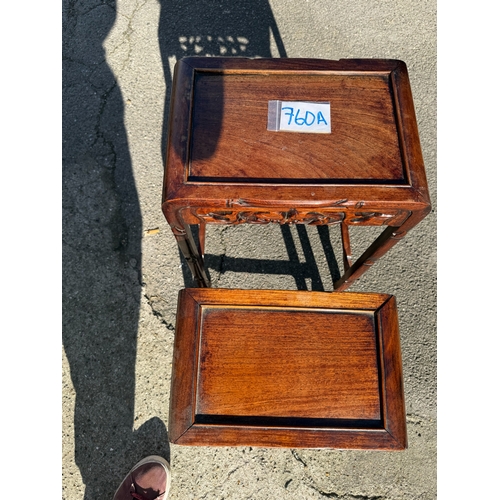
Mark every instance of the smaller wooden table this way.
pixel 287 369
pixel 226 165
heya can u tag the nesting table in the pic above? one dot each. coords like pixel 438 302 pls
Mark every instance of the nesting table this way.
pixel 231 160
pixel 287 369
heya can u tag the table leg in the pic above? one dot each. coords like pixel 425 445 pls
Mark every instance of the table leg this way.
pixel 346 246
pixel 201 238
pixel 189 249
pixel 385 241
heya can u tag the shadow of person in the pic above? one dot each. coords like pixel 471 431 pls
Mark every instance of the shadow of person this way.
pixel 102 229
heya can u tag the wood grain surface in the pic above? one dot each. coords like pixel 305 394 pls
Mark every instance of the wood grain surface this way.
pixel 285 368
pixel 287 363
pixel 230 140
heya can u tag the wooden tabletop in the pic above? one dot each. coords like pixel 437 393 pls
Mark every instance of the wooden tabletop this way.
pixel 287 368
pixel 219 147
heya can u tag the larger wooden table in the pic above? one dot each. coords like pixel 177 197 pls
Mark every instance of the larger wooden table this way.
pixel 223 165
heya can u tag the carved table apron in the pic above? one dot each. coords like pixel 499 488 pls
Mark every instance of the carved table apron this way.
pixel 224 165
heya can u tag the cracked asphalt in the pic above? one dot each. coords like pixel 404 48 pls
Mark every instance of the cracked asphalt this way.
pixel 122 269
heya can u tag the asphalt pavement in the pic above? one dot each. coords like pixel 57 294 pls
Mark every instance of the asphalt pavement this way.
pixel 122 269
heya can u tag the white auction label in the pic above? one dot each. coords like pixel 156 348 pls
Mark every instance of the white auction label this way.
pixel 299 116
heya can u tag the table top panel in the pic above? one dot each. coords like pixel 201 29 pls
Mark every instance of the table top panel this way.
pixel 229 139
pixel 275 362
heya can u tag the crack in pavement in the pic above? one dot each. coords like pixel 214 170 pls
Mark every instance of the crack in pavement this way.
pixel 156 313
pixel 298 458
pixel 346 496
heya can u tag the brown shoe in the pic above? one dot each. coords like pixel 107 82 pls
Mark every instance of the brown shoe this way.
pixel 148 480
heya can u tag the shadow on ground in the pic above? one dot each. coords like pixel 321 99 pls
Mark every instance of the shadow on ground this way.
pixel 102 223
pixel 102 230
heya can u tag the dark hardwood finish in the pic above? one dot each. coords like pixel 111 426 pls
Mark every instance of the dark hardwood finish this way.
pixel 223 154
pixel 224 167
pixel 288 369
